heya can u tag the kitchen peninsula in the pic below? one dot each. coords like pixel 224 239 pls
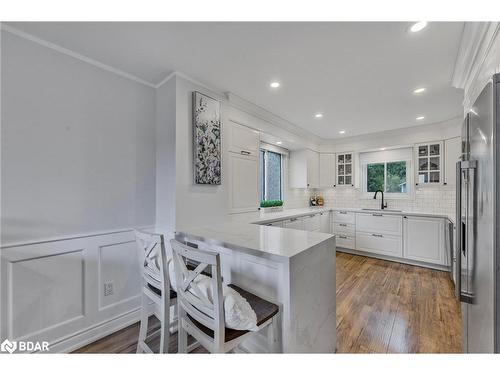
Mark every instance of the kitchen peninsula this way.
pixel 287 266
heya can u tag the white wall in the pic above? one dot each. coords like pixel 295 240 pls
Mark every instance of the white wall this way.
pixel 77 146
pixel 77 156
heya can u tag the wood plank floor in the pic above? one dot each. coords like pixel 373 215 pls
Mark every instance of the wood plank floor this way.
pixel 382 307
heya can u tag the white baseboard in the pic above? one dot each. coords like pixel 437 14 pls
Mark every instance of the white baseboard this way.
pixel 95 332
pixel 394 259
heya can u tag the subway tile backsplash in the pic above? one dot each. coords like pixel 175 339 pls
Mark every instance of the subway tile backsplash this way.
pixel 434 200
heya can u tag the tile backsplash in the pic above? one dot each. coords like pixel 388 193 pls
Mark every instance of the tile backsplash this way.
pixel 435 200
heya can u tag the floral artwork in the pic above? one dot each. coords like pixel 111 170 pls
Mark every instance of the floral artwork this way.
pixel 207 144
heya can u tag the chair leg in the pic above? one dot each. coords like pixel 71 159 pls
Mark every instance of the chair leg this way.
pixel 181 332
pixel 143 330
pixel 274 335
pixel 165 327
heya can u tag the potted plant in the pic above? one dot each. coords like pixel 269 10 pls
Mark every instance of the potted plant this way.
pixel 271 205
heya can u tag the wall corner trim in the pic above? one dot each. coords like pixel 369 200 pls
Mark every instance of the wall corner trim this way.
pixel 74 55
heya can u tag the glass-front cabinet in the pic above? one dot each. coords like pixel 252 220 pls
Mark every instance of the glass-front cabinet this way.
pixel 429 163
pixel 345 169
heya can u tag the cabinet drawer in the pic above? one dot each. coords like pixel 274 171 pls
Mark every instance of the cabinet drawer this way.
pixel 379 223
pixel 344 228
pixel 379 244
pixel 344 217
pixel 345 241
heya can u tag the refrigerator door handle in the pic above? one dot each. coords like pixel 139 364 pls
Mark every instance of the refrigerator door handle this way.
pixel 458 231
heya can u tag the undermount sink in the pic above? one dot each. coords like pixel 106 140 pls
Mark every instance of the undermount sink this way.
pixel 380 210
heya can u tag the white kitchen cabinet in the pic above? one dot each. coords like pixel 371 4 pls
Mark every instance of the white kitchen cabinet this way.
pixel 312 223
pixel 304 169
pixel 423 239
pixel 429 163
pixel 326 170
pixel 243 140
pixel 377 243
pixel 345 241
pixel 243 183
pixel 343 228
pixel 344 169
pixel 325 225
pixel 379 223
pixel 295 223
pixel 452 153
pixel 340 216
pixel 275 224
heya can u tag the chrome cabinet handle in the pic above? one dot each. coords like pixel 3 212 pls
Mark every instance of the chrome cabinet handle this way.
pixel 343 212
pixel 343 225
pixel 377 235
pixel 245 153
pixel 377 215
pixel 343 237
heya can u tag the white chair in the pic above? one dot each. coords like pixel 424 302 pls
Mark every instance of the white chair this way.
pixel 157 297
pixel 204 319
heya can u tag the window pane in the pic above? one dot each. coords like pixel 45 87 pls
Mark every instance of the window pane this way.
pixel 262 173
pixel 374 177
pixel 396 177
pixel 434 163
pixel 434 177
pixel 434 149
pixel 273 176
pixel 423 164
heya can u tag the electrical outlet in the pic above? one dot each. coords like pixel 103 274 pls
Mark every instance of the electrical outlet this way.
pixel 108 288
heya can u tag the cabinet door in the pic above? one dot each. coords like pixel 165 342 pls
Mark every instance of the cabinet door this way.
pixel 326 170
pixel 244 183
pixel 312 223
pixel 429 163
pixel 452 153
pixel 344 169
pixel 312 169
pixel 325 225
pixel 296 223
pixel 243 140
pixel 423 239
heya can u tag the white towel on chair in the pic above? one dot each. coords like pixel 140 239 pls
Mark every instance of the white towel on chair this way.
pixel 238 313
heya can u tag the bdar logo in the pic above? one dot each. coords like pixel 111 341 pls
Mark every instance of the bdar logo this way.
pixel 8 346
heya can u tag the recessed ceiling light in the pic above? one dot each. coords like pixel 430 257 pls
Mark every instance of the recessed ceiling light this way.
pixel 275 84
pixel 383 149
pixel 420 90
pixel 420 118
pixel 342 132
pixel 419 26
pixel 318 115
pixel 279 142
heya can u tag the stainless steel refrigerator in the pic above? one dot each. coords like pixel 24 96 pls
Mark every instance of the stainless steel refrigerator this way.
pixel 478 235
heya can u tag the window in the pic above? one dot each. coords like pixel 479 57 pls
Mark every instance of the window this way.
pixel 270 176
pixel 390 177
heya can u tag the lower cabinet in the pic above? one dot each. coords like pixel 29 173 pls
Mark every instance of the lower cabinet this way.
pixel 384 244
pixel 424 240
pixel 312 223
pixel 295 223
pixel 346 241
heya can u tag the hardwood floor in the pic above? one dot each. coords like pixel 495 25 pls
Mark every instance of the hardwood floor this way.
pixel 388 307
pixel 382 307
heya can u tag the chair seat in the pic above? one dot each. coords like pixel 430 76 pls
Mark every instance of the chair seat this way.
pixel 173 294
pixel 264 310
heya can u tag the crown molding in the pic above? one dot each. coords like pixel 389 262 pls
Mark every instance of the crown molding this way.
pixel 75 55
pixel 475 45
pixel 265 115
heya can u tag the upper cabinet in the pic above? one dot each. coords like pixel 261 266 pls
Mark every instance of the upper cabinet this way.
pixel 345 169
pixel 243 140
pixel 452 153
pixel 304 169
pixel 326 170
pixel 243 162
pixel 429 163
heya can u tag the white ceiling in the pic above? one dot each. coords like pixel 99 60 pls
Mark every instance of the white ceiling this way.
pixel 360 75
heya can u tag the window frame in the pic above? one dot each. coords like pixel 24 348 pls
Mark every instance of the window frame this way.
pixel 409 179
pixel 264 175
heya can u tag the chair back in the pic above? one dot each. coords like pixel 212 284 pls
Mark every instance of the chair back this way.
pixel 190 297
pixel 153 260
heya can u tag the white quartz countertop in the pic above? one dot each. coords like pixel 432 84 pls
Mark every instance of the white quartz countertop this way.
pixel 260 240
pixel 243 232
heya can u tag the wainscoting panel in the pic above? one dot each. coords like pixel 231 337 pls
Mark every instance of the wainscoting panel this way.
pixel 54 290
